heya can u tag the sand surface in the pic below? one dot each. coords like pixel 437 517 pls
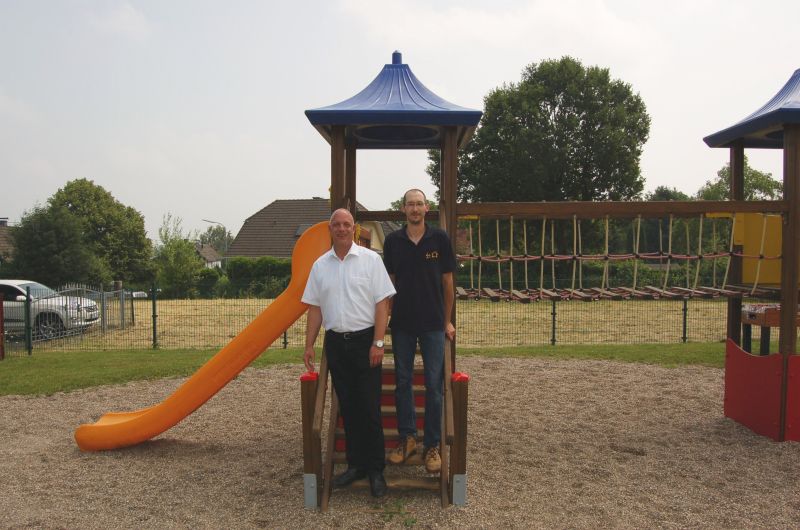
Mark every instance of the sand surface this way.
pixel 552 444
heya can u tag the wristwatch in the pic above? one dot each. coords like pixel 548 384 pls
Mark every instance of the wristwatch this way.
pixel 378 344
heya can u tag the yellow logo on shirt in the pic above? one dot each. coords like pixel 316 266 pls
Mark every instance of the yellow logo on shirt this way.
pixel 432 255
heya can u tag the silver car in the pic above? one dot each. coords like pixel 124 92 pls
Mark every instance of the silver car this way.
pixel 52 314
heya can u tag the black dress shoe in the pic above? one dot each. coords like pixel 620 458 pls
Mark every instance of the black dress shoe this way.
pixel 348 477
pixel 377 484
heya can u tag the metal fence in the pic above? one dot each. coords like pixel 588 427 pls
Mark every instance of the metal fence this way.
pixel 126 322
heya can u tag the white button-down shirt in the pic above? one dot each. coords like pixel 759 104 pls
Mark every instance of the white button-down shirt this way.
pixel 347 290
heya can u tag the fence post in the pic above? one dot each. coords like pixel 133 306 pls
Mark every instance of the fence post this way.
pixel 2 330
pixel 155 317
pixel 553 328
pixel 28 323
pixel 285 339
pixel 103 321
pixel 685 315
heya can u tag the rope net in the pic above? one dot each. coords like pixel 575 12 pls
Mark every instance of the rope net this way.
pixel 583 259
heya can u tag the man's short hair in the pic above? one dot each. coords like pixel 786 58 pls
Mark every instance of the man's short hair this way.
pixel 414 189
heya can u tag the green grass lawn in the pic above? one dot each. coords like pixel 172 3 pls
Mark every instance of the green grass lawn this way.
pixel 48 372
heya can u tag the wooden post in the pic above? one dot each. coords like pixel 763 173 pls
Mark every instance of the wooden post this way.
pixel 447 202
pixel 458 453
pixel 2 331
pixel 735 272
pixel 312 459
pixel 350 179
pixel 789 252
pixel 337 167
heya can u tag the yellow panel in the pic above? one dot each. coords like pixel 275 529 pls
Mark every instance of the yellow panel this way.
pixel 752 233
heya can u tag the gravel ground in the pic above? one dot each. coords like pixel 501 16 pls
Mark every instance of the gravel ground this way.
pixel 564 444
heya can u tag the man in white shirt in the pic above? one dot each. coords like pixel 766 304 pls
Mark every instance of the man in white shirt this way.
pixel 348 294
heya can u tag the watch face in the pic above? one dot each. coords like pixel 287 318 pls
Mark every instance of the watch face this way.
pixel 379 343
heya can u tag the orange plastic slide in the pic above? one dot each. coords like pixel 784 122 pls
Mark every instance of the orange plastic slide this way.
pixel 122 429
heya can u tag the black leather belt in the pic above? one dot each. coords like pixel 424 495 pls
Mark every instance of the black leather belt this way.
pixel 348 335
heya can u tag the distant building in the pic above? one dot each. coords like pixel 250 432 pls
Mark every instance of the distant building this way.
pixel 273 230
pixel 6 247
pixel 209 255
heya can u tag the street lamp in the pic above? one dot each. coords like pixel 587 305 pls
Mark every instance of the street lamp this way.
pixel 224 236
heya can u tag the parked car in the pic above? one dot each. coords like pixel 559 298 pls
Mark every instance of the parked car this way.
pixel 52 314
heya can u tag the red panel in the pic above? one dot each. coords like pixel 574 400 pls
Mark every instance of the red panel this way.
pixel 388 378
pixel 793 400
pixel 753 390
pixel 390 422
pixel 388 399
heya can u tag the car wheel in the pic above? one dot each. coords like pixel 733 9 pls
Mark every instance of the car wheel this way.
pixel 49 326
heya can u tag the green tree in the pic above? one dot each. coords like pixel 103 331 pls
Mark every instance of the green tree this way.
pixel 178 267
pixel 665 193
pixel 396 205
pixel 50 247
pixel 758 185
pixel 564 132
pixel 114 232
pixel 218 237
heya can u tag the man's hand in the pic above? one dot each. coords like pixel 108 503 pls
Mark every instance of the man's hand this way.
pixel 308 358
pixel 375 356
pixel 450 331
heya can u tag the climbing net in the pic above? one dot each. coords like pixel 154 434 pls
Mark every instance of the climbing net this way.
pixel 668 257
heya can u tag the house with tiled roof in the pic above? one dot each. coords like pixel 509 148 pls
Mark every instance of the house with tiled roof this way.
pixel 273 230
pixel 209 255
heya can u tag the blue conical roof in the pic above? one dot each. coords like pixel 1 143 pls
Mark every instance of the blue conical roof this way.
pixel 395 111
pixel 764 127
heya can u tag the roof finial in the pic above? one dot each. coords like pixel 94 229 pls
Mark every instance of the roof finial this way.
pixel 397 57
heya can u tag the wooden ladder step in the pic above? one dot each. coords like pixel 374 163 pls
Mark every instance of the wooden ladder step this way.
pixel 391 410
pixel 388 434
pixel 416 389
pixel 339 457
pixel 427 483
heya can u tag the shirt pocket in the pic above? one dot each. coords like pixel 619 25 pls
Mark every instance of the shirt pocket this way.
pixel 361 289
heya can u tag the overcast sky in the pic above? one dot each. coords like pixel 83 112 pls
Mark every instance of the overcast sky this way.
pixel 196 108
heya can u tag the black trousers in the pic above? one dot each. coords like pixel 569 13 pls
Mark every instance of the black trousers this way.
pixel 358 387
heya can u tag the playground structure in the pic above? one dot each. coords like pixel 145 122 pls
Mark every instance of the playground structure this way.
pixel 397 112
pixel 388 114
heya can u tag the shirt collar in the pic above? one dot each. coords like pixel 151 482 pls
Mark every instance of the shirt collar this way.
pixel 355 250
pixel 404 232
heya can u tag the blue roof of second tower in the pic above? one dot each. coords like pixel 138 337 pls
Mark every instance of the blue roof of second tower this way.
pixel 398 102
pixel 764 127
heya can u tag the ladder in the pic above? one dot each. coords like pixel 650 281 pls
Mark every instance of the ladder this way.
pixel 321 453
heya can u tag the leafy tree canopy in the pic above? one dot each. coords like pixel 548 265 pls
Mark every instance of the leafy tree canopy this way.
pixel 178 265
pixel 758 185
pixel 114 232
pixel 218 237
pixel 665 193
pixel 564 132
pixel 50 247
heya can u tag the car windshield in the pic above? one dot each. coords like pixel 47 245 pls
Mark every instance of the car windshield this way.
pixel 38 290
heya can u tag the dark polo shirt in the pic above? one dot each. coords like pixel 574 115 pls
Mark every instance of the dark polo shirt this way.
pixel 418 305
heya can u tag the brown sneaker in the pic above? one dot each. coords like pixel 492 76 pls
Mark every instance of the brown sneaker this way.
pixel 433 462
pixel 403 450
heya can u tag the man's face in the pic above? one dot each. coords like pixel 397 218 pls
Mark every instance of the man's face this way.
pixel 415 207
pixel 342 227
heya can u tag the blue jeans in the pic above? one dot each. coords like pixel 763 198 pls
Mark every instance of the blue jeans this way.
pixel 404 344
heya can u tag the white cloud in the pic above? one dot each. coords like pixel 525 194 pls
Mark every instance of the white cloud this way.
pixel 122 19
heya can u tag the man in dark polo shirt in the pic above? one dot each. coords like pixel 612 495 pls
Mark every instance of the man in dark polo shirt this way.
pixel 420 262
